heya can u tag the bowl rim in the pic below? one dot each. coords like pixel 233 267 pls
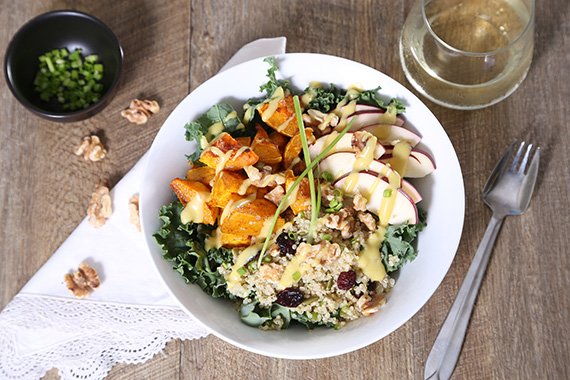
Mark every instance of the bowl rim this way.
pixel 63 116
pixel 455 240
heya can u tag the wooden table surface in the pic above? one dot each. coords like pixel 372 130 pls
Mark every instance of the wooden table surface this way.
pixel 521 322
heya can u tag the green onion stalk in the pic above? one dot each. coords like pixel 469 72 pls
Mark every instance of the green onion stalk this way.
pixel 310 174
pixel 309 168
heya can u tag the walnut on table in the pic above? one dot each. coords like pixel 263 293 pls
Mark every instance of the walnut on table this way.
pixel 134 217
pixel 83 281
pixel 99 209
pixel 140 110
pixel 91 148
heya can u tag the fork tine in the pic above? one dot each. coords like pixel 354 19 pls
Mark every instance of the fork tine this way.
pixel 517 157
pixel 500 168
pixel 525 159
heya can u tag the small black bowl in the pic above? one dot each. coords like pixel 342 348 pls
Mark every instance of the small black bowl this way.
pixel 61 29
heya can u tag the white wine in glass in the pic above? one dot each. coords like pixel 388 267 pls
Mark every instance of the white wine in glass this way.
pixel 468 54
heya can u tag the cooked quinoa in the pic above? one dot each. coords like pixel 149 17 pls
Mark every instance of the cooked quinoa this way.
pixel 338 241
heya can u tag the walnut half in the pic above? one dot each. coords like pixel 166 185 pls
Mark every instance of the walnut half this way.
pixel 134 211
pixel 91 148
pixel 140 110
pixel 83 281
pixel 99 209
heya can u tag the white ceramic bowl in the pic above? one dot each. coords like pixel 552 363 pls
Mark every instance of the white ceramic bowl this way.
pixel 443 194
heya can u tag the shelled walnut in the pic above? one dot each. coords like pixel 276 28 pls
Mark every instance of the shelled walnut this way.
pixel 91 148
pixel 83 281
pixel 134 217
pixel 99 209
pixel 140 110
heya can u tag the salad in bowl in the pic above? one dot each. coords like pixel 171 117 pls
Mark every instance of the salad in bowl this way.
pixel 300 206
pixel 204 283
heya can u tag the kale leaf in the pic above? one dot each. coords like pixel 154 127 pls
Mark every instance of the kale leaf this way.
pixel 269 88
pixel 399 242
pixel 371 98
pixel 325 99
pixel 221 114
pixel 182 245
pixel 273 82
pixel 254 315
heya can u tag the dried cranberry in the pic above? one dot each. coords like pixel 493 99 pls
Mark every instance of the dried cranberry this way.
pixel 290 297
pixel 346 280
pixel 286 244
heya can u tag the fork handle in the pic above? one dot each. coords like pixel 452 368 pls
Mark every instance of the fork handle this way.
pixel 445 352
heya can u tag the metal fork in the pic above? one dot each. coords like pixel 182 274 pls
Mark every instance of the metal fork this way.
pixel 507 192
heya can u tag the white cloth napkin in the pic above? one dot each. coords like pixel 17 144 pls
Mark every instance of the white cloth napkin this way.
pixel 128 318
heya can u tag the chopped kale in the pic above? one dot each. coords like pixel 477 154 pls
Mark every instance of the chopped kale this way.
pixel 325 99
pixel 182 245
pixel 398 245
pixel 220 118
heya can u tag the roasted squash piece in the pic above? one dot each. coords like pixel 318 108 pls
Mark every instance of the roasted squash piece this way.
pixel 204 174
pixel 266 149
pixel 227 185
pixel 232 241
pixel 283 120
pixel 262 191
pixel 210 214
pixel 249 218
pixel 187 191
pixel 294 147
pixel 229 153
pixel 279 140
pixel 302 200
pixel 245 141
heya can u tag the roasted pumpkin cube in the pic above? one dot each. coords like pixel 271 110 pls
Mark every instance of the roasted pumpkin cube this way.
pixel 250 218
pixel 204 174
pixel 233 241
pixel 283 120
pixel 210 214
pixel 228 153
pixel 185 190
pixel 279 140
pixel 196 193
pixel 294 147
pixel 302 197
pixel 266 149
pixel 262 191
pixel 245 141
pixel 227 185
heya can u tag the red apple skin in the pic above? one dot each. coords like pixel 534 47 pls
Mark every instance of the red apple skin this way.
pixel 398 133
pixel 420 168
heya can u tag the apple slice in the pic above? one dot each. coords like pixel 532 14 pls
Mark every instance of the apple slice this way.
pixel 341 164
pixel 343 145
pixel 367 115
pixel 420 163
pixel 372 187
pixel 391 134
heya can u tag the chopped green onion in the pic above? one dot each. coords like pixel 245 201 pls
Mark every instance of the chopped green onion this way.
pixel 296 276
pixel 251 265
pixel 327 176
pixel 267 259
pixel 326 237
pixel 387 193
pixel 241 271
pixel 69 78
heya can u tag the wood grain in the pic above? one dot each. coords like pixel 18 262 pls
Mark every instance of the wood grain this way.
pixel 521 320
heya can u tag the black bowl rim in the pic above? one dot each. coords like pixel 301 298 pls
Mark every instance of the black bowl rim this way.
pixel 73 115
